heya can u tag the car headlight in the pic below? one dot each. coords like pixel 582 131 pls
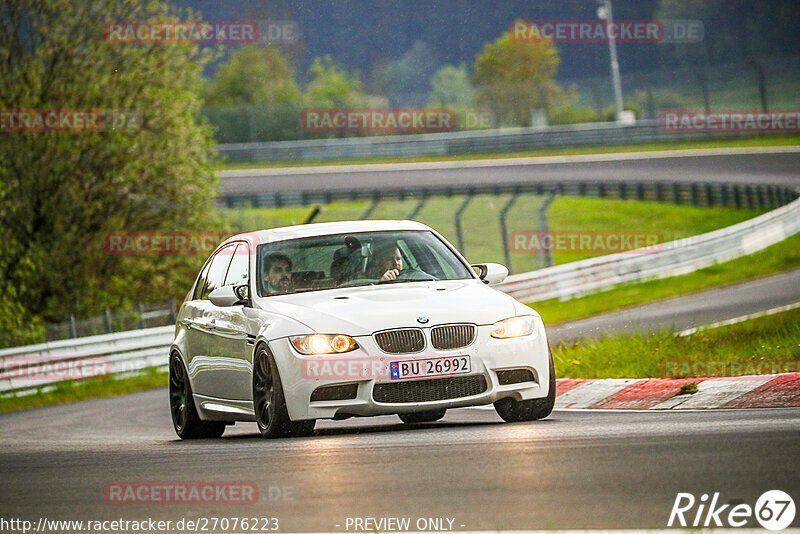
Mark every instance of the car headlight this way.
pixel 514 327
pixel 323 344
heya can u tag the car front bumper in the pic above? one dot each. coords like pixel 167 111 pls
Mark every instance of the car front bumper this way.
pixel 367 367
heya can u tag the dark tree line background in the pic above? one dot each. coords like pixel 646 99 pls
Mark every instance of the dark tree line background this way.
pixel 365 34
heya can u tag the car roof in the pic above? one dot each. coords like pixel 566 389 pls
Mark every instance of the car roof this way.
pixel 329 228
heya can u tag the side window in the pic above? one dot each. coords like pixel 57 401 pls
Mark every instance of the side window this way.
pixel 201 282
pixel 217 270
pixel 239 269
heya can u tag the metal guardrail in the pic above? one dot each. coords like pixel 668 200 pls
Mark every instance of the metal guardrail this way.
pixel 669 259
pixel 465 142
pixel 750 196
pixel 138 349
pixel 34 366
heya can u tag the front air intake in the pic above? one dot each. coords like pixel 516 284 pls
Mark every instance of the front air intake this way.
pixel 404 341
pixel 430 389
pixel 335 392
pixel 514 376
pixel 452 336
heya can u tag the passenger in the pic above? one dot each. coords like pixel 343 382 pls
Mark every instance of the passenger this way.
pixel 278 273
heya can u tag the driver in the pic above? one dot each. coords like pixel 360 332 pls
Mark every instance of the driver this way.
pixel 278 273
pixel 388 262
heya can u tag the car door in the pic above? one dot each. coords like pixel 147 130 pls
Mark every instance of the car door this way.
pixel 200 322
pixel 232 347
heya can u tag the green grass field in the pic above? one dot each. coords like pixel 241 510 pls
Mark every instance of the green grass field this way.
pixel 743 142
pixel 481 226
pixel 779 257
pixel 774 340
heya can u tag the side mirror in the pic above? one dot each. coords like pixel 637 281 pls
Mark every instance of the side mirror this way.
pixel 491 273
pixel 226 296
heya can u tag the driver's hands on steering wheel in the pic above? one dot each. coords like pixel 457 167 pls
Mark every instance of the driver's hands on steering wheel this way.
pixel 391 274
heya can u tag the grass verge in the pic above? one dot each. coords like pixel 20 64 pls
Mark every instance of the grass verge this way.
pixel 483 238
pixel 759 346
pixel 760 141
pixel 91 388
pixel 777 258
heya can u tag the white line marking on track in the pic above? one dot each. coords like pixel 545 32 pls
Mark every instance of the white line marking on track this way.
pixel 740 319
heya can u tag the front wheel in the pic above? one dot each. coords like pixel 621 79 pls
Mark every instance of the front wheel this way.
pixel 422 417
pixel 185 420
pixel 269 403
pixel 511 410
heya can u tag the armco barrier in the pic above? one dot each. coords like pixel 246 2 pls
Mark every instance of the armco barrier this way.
pixel 122 352
pixel 139 349
pixel 465 142
pixel 673 258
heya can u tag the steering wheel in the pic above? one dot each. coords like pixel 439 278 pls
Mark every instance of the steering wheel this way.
pixel 414 274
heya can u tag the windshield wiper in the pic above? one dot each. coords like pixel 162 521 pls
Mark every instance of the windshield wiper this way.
pixel 408 280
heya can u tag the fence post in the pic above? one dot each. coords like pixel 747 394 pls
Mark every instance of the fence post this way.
pixel 312 215
pixel 676 193
pixel 762 88
pixel 459 213
pixel 504 228
pixel 418 207
pixel 173 313
pixel 544 224
pixel 140 309
pixel 371 208
pixel 107 317
pixel 73 330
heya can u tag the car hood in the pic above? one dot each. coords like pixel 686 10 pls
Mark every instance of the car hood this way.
pixel 363 310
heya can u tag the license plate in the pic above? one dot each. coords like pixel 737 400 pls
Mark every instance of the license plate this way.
pixel 433 367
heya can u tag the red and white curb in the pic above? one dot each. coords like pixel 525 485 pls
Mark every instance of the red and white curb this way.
pixel 753 391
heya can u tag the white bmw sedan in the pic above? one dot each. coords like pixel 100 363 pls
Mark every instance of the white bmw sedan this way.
pixel 328 321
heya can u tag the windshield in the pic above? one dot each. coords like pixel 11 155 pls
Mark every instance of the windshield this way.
pixel 356 259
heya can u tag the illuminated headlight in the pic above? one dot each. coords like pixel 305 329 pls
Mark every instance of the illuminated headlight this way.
pixel 323 344
pixel 514 327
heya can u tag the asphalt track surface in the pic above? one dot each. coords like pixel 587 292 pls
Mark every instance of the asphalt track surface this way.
pixel 778 166
pixel 688 311
pixel 576 469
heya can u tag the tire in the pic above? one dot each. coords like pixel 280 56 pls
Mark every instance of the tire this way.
pixel 269 404
pixel 421 417
pixel 185 420
pixel 511 410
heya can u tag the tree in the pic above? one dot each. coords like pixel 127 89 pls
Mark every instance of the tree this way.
pixel 451 87
pixel 254 97
pixel 64 191
pixel 516 77
pixel 333 87
pixel 253 75
pixel 405 80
